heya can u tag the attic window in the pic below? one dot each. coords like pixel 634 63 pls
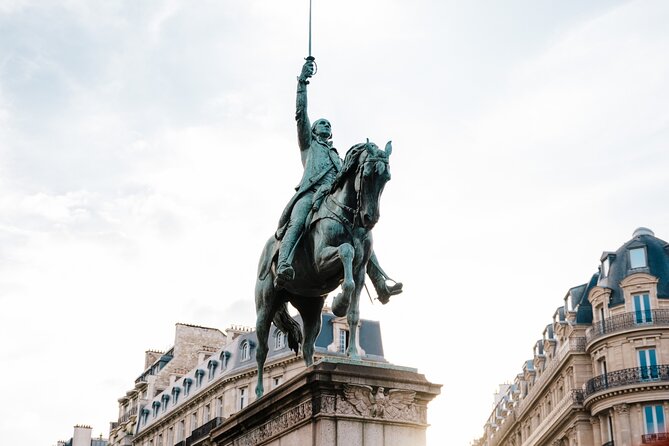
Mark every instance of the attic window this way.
pixel 246 351
pixel 638 258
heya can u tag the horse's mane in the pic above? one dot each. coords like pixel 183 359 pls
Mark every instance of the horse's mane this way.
pixel 350 163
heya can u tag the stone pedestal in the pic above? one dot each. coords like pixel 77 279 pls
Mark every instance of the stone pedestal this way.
pixel 337 403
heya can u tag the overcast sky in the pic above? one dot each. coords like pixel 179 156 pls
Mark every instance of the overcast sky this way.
pixel 147 149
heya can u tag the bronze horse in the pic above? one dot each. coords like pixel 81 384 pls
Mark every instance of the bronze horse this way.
pixel 333 251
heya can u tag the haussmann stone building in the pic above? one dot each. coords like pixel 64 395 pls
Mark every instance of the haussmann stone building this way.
pixel 599 375
pixel 184 393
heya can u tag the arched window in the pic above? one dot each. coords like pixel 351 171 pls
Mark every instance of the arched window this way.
pixel 175 395
pixel 225 359
pixel 199 373
pixel 212 367
pixel 279 340
pixel 245 351
pixel 187 384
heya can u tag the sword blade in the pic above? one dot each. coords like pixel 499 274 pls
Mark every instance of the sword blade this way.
pixel 309 28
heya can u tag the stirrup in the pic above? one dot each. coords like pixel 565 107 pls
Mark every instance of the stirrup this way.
pixel 284 273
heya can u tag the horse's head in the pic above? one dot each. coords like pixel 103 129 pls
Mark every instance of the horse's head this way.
pixel 372 174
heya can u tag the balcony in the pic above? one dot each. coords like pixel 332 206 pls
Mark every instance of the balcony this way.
pixel 660 438
pixel 608 443
pixel 125 417
pixel 624 377
pixel 627 321
pixel 203 431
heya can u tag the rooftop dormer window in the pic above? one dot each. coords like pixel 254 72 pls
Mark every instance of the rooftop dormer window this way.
pixel 279 340
pixel 638 258
pixel 606 265
pixel 245 351
pixel 225 359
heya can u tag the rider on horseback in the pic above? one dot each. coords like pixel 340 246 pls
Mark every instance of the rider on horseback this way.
pixel 321 163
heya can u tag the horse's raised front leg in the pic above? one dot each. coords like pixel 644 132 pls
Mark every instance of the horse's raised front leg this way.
pixel 353 314
pixel 341 302
pixel 265 309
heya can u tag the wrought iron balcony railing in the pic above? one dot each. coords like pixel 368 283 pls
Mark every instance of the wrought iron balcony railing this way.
pixel 636 375
pixel 125 417
pixel 608 443
pixel 626 321
pixel 658 438
pixel 202 431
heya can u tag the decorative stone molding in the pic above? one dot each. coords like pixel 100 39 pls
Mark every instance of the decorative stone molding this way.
pixel 335 399
pixel 622 409
pixel 275 426
pixel 362 400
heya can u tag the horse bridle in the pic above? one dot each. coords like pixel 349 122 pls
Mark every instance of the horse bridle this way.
pixel 354 212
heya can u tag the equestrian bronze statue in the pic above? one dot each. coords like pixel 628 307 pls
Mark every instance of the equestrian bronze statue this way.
pixel 323 239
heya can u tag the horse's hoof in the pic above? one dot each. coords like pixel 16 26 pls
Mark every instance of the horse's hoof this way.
pixel 339 306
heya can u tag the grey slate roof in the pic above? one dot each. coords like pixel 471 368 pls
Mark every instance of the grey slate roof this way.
pixel 657 252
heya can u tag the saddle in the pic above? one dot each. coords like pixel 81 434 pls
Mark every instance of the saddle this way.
pixel 272 250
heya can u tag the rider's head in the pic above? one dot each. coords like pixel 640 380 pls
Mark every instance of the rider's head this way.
pixel 322 129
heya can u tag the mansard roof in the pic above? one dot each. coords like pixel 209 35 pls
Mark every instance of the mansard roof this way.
pixel 657 264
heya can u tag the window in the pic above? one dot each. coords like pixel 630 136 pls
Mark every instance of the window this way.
pixel 279 340
pixel 181 430
pixel 343 340
pixel 193 421
pixel 638 258
pixel 276 381
pixel 160 440
pixel 648 364
pixel 243 397
pixel 642 313
pixel 145 416
pixel 170 436
pixel 219 406
pixel 156 407
pixel 199 374
pixel 212 368
pixel 206 414
pixel 606 265
pixel 165 399
pixel 246 351
pixel 187 383
pixel 225 359
pixel 175 395
pixel 654 419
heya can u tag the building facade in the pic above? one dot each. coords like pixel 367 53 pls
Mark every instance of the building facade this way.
pixel 181 405
pixel 600 373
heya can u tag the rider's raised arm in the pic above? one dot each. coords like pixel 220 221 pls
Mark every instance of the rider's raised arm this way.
pixel 301 116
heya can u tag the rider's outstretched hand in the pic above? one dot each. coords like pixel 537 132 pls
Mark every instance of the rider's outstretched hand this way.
pixel 307 70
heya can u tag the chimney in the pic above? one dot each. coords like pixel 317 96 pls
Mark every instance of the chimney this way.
pixel 82 436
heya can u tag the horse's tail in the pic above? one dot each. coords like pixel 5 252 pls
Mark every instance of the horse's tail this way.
pixel 288 325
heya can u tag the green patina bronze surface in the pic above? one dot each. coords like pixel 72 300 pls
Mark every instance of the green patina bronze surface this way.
pixel 323 239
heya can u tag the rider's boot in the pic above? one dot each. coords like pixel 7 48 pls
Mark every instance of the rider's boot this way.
pixel 384 291
pixel 284 270
pixel 379 278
